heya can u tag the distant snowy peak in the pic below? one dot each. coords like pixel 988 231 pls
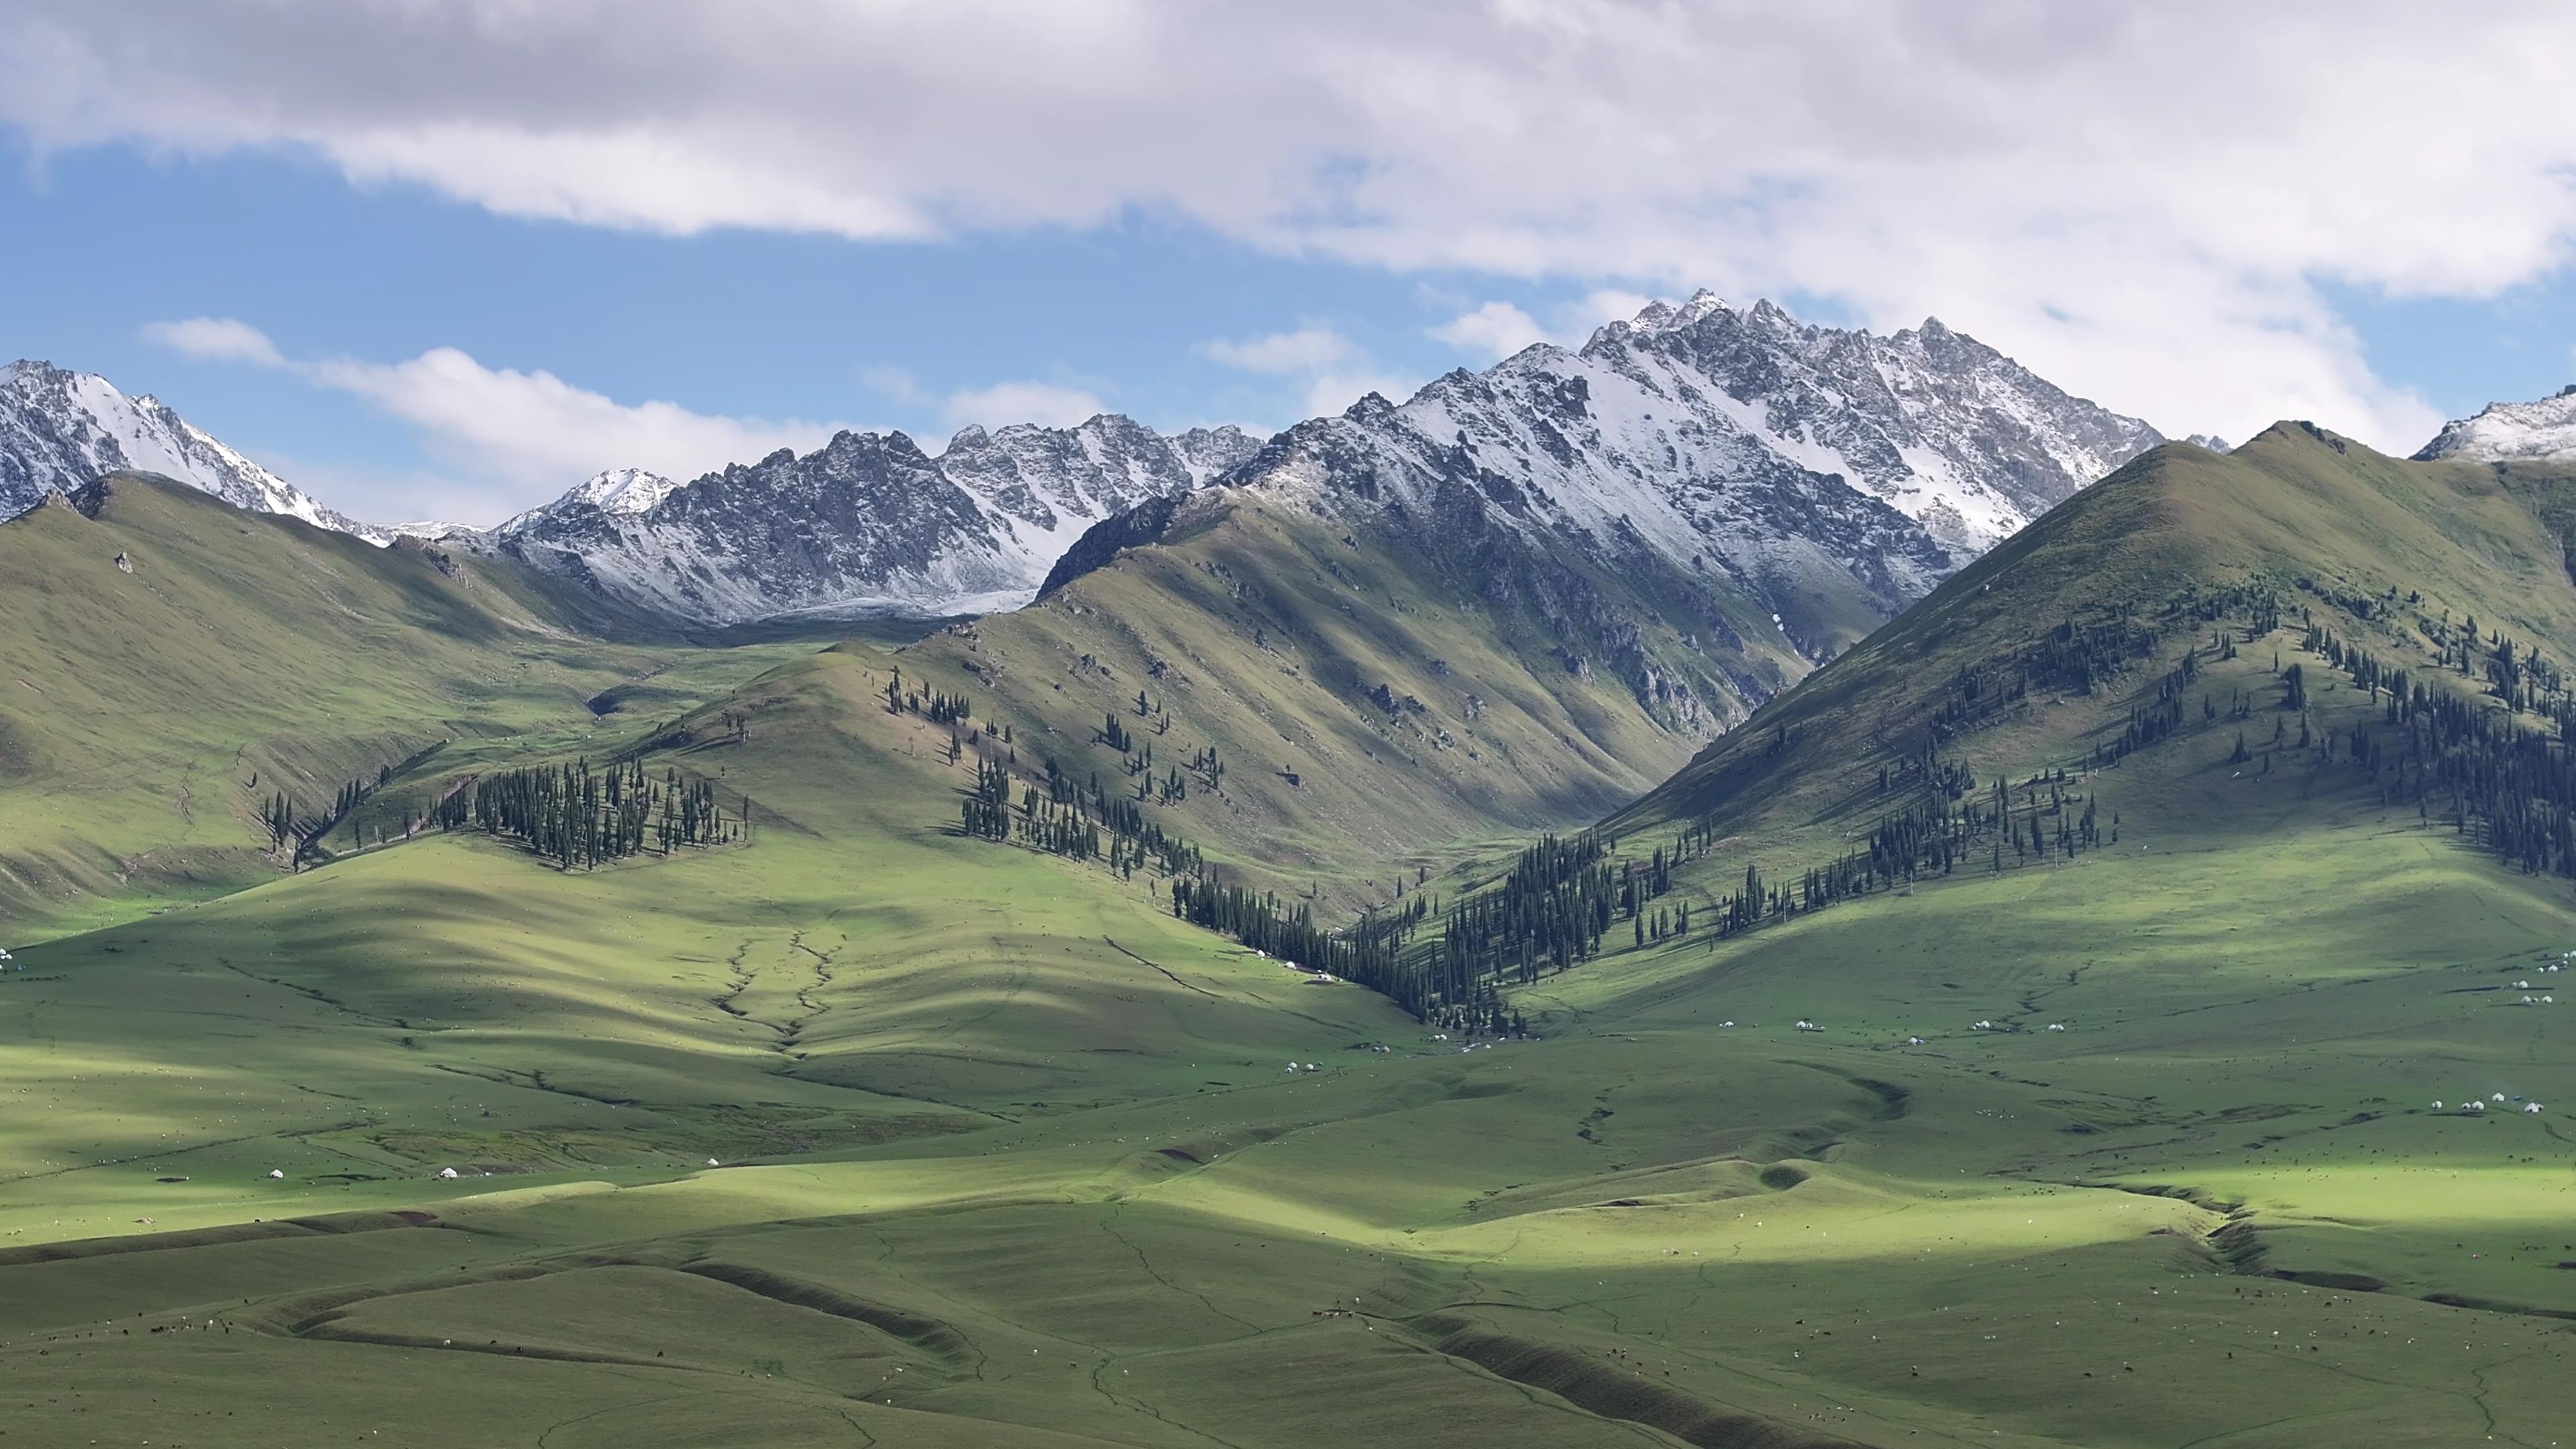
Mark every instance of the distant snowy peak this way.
pixel 623 490
pixel 1210 453
pixel 1660 317
pixel 431 529
pixel 869 523
pixel 1940 426
pixel 61 429
pixel 2511 432
pixel 1791 461
pixel 2211 441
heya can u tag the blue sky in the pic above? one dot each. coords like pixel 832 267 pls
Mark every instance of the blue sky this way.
pixel 448 258
pixel 733 322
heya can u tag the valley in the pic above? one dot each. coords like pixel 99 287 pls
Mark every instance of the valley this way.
pixel 2021 1022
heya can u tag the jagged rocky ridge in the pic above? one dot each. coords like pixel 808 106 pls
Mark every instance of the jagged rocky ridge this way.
pixel 868 523
pixel 2510 432
pixel 60 430
pixel 1788 461
pixel 1740 448
pixel 1739 443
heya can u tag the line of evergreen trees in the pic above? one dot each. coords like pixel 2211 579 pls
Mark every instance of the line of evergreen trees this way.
pixel 2510 788
pixel 1067 822
pixel 574 815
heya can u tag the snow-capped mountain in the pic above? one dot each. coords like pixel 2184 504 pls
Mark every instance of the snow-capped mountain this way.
pixel 1739 442
pixel 624 490
pixel 868 523
pixel 1736 439
pixel 431 529
pixel 61 429
pixel 1945 429
pixel 1701 502
pixel 2511 432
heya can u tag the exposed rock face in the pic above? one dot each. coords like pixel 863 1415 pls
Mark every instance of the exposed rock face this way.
pixel 1833 475
pixel 868 523
pixel 1799 464
pixel 60 430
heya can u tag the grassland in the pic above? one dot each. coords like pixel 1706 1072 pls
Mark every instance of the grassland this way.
pixel 1005 1155
pixel 149 710
pixel 1378 702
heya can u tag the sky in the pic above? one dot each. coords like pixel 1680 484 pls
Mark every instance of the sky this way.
pixel 446 258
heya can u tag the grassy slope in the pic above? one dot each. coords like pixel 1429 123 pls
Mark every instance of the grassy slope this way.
pixel 996 1180
pixel 140 707
pixel 2291 503
pixel 1262 631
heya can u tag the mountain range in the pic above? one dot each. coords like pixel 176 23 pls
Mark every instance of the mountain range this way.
pixel 1473 904
pixel 1810 467
pixel 1737 440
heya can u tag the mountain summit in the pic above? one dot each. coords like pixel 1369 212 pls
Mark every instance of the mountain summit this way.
pixel 866 524
pixel 61 429
pixel 2510 432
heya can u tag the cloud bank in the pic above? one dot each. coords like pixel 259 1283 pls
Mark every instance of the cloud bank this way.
pixel 528 435
pixel 2139 201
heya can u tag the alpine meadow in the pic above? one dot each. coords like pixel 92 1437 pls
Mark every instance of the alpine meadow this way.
pixel 1720 877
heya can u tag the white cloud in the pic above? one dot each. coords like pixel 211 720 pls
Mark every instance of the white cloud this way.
pixel 1331 371
pixel 896 384
pixel 1004 403
pixel 1332 392
pixel 2138 200
pixel 523 437
pixel 215 339
pixel 1494 330
pixel 1604 304
pixel 1308 349
pixel 545 434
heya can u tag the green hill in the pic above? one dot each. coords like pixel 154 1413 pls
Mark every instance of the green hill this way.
pixel 2394 556
pixel 1006 1154
pixel 1375 694
pixel 172 664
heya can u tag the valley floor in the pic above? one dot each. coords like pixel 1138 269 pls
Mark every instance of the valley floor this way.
pixel 1021 1164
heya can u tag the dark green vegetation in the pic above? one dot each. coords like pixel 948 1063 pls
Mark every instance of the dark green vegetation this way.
pixel 2209 769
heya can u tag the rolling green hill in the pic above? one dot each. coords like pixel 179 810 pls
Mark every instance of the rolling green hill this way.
pixel 1375 697
pixel 2394 556
pixel 856 1129
pixel 171 663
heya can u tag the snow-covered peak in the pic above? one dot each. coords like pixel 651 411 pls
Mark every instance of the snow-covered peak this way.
pixel 1658 317
pixel 431 529
pixel 1212 452
pixel 60 429
pixel 2511 432
pixel 623 490
pixel 868 523
pixel 1949 431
